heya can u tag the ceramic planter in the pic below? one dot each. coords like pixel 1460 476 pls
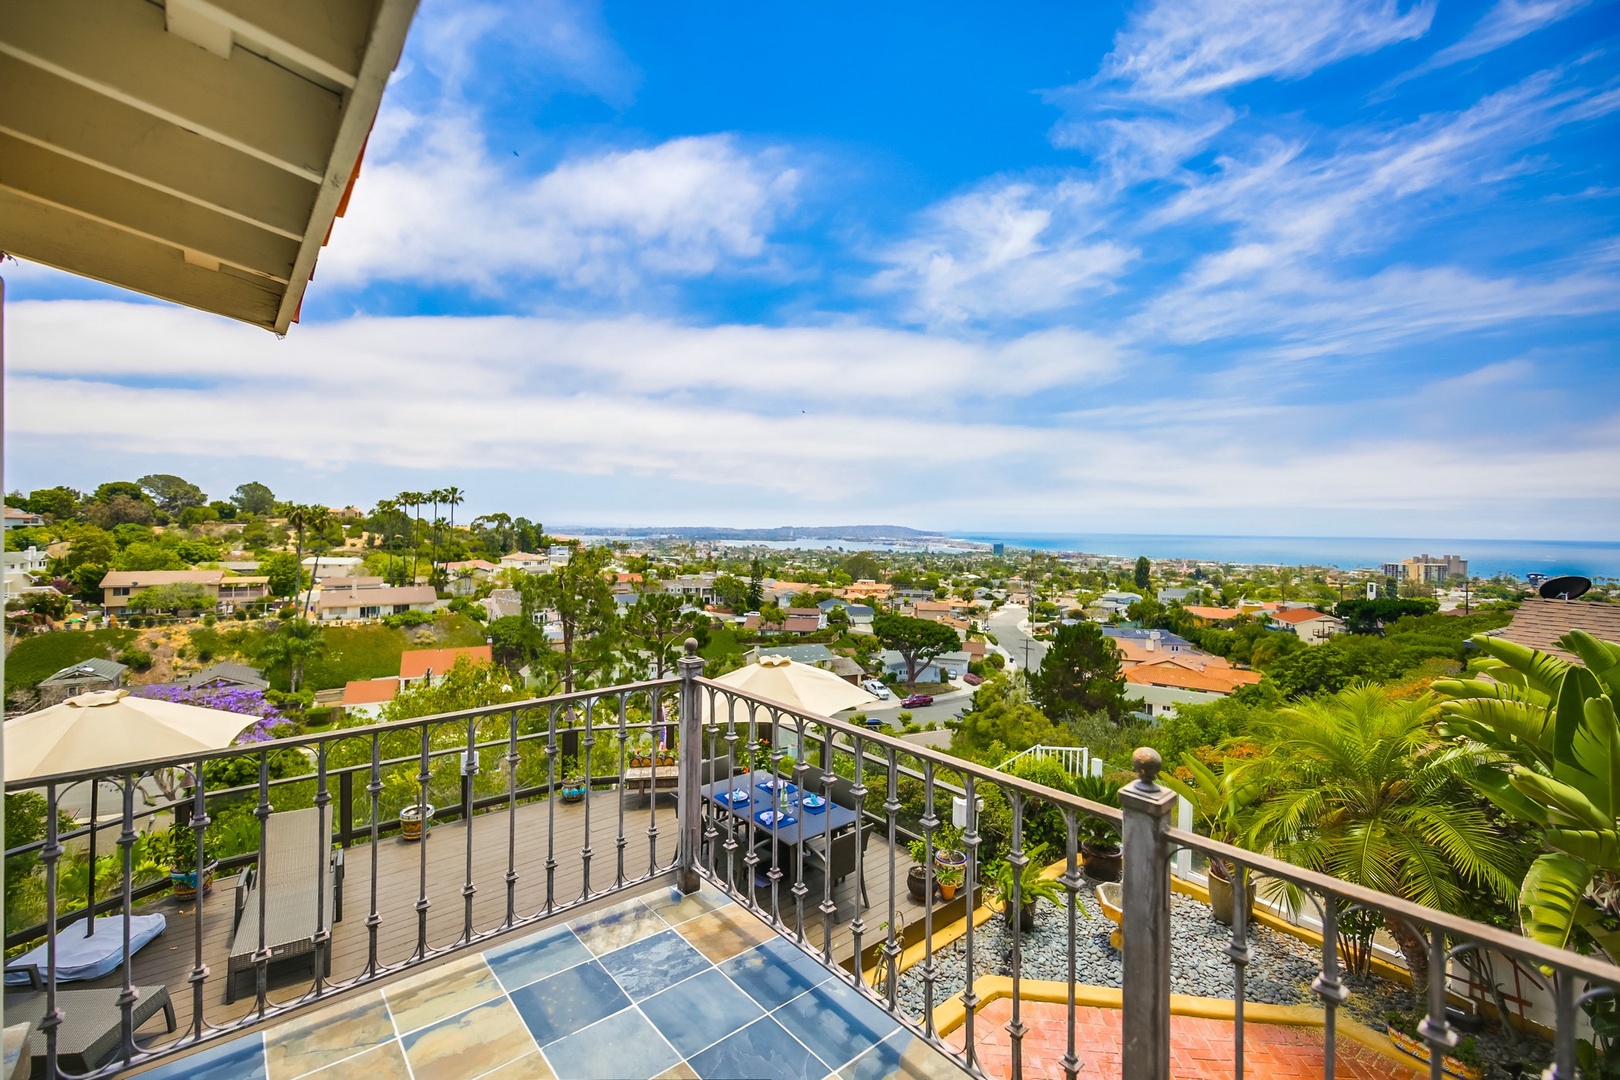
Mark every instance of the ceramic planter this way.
pixel 1419 1049
pixel 413 820
pixel 917 883
pixel 1102 864
pixel 573 792
pixel 1222 899
pixel 184 882
pixel 1112 904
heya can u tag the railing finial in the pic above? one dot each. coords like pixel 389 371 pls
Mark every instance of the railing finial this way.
pixel 691 646
pixel 1146 763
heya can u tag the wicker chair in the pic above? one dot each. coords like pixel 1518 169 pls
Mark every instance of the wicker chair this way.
pixel 289 876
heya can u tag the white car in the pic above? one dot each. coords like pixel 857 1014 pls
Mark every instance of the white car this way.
pixel 876 689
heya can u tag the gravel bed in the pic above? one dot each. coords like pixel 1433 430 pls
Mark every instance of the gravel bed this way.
pixel 1281 969
pixel 1279 973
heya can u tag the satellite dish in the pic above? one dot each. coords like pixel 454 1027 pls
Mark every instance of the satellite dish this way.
pixel 1567 587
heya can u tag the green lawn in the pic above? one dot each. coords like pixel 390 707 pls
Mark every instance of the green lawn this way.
pixel 722 642
pixel 368 652
pixel 40 656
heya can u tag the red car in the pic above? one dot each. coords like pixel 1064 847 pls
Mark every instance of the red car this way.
pixel 916 701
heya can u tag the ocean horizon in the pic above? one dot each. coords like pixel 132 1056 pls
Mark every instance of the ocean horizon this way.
pixel 1486 558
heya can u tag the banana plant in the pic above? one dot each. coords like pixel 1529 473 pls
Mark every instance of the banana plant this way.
pixel 1552 758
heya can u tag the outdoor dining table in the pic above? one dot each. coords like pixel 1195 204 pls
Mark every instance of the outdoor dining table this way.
pixel 806 823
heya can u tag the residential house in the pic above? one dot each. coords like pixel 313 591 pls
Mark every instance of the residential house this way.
pixel 1213 614
pixel 780 592
pixel 20 568
pixel 860 615
pixel 1115 602
pixel 911 596
pixel 527 562
pixel 848 669
pixel 804 620
pixel 81 678
pixel 1309 625
pixel 463 578
pixel 22 519
pixel 1136 644
pixel 558 554
pixel 943 668
pixel 226 590
pixel 501 603
pixel 322 567
pixel 355 604
pixel 418 666
pixel 867 589
pixel 347 513
pixel 1541 624
pixel 697 588
pixel 225 675
pixel 1164 684
pixel 816 655
pixel 1174 596
pixel 363 699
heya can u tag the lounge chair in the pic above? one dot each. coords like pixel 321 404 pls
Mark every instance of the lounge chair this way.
pixel 297 856
pixel 92 1023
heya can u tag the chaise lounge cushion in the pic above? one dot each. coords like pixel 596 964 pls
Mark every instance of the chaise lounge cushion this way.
pixel 80 956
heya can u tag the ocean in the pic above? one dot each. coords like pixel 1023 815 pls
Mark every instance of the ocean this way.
pixel 1486 558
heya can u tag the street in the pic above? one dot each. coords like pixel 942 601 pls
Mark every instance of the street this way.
pixel 1014 642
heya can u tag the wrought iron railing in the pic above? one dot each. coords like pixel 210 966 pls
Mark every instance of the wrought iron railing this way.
pixel 923 960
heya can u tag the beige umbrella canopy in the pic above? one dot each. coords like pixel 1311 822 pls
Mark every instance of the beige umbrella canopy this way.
pixel 802 686
pixel 108 728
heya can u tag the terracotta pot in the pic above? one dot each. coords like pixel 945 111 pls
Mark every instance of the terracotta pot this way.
pixel 1419 1049
pixel 1221 899
pixel 947 892
pixel 1102 864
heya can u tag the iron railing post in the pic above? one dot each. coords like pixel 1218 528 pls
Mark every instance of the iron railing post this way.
pixel 690 809
pixel 1145 1050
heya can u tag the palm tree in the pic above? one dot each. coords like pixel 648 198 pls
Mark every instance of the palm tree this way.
pixel 298 520
pixel 295 642
pixel 1356 786
pixel 320 519
pixel 453 497
pixel 413 500
pixel 435 497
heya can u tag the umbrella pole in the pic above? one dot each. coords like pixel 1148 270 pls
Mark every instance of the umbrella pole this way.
pixel 90 920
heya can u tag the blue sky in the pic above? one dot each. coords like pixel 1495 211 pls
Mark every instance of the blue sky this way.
pixel 1328 268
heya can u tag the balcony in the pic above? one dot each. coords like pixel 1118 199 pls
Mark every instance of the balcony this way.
pixel 628 921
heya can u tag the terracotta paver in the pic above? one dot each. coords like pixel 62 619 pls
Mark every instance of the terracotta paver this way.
pixel 1201 1049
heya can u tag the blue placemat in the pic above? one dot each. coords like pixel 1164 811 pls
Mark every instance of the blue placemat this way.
pixel 777 785
pixel 768 818
pixel 734 797
pixel 815 804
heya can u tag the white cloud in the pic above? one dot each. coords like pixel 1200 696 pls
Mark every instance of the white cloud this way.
pixel 1505 23
pixel 1176 49
pixel 808 423
pixel 441 210
pixel 1009 249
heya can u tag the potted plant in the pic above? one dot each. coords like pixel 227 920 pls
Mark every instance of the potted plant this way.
pixel 1464 1061
pixel 176 848
pixel 949 879
pixel 1224 806
pixel 413 820
pixel 573 787
pixel 948 853
pixel 667 758
pixel 1030 886
pixel 641 752
pixel 1099 837
pixel 917 876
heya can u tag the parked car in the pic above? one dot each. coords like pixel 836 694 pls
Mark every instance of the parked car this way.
pixel 972 679
pixel 916 701
pixel 876 689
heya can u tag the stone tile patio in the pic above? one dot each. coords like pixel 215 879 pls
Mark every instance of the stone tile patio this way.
pixel 658 986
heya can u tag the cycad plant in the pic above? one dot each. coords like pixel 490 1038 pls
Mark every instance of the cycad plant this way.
pixel 1549 743
pixel 1356 786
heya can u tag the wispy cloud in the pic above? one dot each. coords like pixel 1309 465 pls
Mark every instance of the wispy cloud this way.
pixel 1506 22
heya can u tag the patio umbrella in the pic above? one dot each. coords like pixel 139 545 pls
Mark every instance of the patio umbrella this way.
pixel 107 728
pixel 801 686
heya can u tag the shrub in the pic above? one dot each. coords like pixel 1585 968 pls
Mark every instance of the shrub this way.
pixel 408 618
pixel 135 657
pixel 240 616
pixel 210 619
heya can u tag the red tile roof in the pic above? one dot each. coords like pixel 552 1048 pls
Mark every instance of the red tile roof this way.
pixel 369 691
pixel 1214 614
pixel 418 662
pixel 1297 615
pixel 1211 679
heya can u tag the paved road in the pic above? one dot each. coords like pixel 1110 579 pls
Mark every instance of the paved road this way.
pixel 1004 624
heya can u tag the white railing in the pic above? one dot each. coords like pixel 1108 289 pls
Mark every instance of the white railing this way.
pixel 1076 760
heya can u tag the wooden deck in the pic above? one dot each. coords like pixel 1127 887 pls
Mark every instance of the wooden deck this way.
pixel 169 959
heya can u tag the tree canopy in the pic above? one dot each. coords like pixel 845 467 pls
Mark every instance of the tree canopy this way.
pixel 172 493
pixel 254 498
pixel 918 641
pixel 1080 674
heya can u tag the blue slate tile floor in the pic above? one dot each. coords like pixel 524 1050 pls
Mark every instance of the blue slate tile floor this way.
pixel 662 985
